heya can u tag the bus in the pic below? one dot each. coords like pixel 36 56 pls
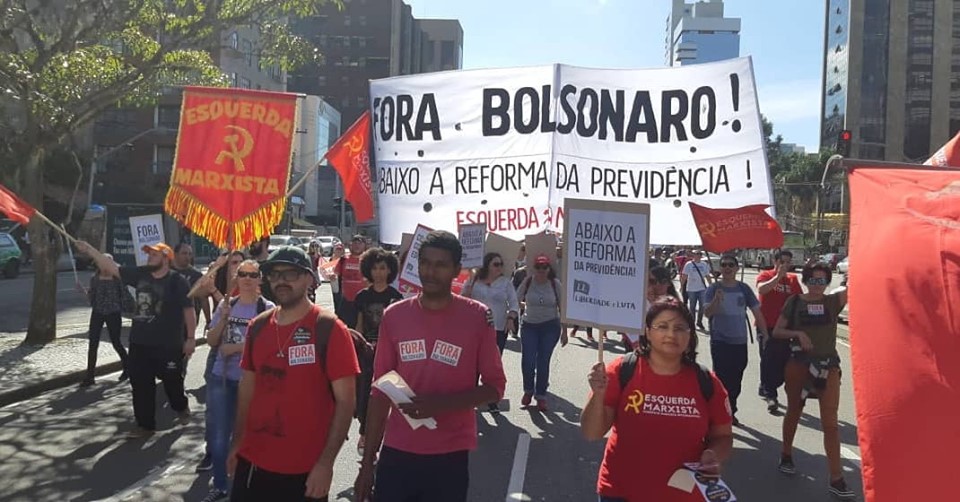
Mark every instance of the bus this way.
pixel 763 258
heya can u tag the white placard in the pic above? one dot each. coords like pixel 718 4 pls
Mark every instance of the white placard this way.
pixel 605 264
pixel 146 231
pixel 507 146
pixel 473 238
pixel 411 271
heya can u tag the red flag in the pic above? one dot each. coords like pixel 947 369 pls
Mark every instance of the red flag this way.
pixel 904 295
pixel 744 227
pixel 14 207
pixel 947 155
pixel 350 156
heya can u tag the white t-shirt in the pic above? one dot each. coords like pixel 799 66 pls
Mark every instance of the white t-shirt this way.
pixel 694 280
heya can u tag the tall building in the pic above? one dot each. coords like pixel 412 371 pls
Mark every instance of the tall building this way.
pixel 886 62
pixel 318 131
pixel 697 32
pixel 371 39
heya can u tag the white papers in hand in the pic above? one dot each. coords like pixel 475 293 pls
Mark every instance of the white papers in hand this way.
pixel 394 387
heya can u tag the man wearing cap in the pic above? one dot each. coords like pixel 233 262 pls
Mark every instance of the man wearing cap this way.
pixel 351 280
pixel 294 406
pixel 158 346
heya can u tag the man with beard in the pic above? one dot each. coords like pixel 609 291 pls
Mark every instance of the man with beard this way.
pixel 351 280
pixel 157 345
pixel 297 393
pixel 439 343
pixel 260 251
pixel 183 265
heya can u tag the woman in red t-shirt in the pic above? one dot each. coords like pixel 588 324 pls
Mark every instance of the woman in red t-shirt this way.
pixel 661 418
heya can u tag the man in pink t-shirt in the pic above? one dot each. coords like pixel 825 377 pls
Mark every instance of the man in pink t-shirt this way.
pixel 438 342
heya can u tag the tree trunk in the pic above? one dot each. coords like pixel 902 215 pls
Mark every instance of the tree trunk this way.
pixel 42 328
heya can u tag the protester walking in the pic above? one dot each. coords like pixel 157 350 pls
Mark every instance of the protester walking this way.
pixel 662 410
pixel 495 290
pixel 694 279
pixel 351 280
pixel 774 287
pixel 226 336
pixel 810 322
pixel 105 295
pixel 727 303
pixel 438 343
pixel 158 346
pixel 297 394
pixel 540 330
pixel 379 268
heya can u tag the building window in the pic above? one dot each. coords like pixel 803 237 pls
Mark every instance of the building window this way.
pixel 346 20
pixel 244 83
pixel 345 80
pixel 246 47
pixel 361 102
pixel 322 41
pixel 362 20
pixel 362 42
pixel 321 80
pixel 234 40
pixel 344 103
pixel 168 116
pixel 163 159
pixel 362 62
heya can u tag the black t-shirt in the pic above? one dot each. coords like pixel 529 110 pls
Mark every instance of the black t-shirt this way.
pixel 192 275
pixel 371 304
pixel 265 290
pixel 158 317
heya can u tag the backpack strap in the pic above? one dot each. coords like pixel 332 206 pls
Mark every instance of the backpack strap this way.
pixel 556 295
pixel 705 380
pixel 261 305
pixel 524 286
pixel 254 329
pixel 324 327
pixel 628 366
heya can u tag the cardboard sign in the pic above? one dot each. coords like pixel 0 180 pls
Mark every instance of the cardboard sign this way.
pixel 472 238
pixel 508 249
pixel 410 273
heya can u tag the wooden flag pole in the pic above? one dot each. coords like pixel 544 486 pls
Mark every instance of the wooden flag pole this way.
pixel 303 179
pixel 600 346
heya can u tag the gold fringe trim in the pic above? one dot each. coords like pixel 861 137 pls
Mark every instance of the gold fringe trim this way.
pixel 192 213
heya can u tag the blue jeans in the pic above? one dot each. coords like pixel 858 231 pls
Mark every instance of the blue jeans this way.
pixel 222 403
pixel 537 341
pixel 208 378
pixel 695 304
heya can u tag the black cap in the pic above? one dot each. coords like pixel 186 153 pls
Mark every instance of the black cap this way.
pixel 290 255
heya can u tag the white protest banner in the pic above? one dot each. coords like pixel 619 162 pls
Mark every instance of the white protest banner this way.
pixel 605 266
pixel 507 146
pixel 473 238
pixel 410 274
pixel 146 231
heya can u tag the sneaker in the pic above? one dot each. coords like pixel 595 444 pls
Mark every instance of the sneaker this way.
pixel 123 376
pixel 215 496
pixel 542 404
pixel 772 404
pixel 839 488
pixel 526 399
pixel 184 416
pixel 139 433
pixel 786 465
pixel 493 408
pixel 206 463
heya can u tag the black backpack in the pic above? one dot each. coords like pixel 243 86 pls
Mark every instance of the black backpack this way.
pixel 261 304
pixel 629 366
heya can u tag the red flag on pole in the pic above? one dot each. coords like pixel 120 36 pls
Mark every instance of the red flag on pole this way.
pixel 947 155
pixel 744 227
pixel 14 207
pixel 350 156
pixel 904 292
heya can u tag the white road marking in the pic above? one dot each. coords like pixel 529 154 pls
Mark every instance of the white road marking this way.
pixel 850 454
pixel 519 471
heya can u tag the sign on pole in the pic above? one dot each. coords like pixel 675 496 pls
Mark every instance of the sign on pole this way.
pixel 605 265
pixel 472 238
pixel 410 274
pixel 146 231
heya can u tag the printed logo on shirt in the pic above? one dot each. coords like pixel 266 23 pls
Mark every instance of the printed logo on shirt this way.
pixel 302 354
pixel 666 406
pixel 301 336
pixel 446 353
pixel 489 317
pixel 413 350
pixel 815 309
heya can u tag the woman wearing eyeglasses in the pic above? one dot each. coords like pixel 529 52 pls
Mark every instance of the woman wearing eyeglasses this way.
pixel 810 322
pixel 226 335
pixel 495 290
pixel 669 412
pixel 541 329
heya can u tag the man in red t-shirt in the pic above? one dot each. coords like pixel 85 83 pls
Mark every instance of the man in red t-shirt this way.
pixel 774 287
pixel 293 409
pixel 438 343
pixel 351 280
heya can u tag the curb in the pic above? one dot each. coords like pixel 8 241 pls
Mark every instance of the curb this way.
pixel 31 391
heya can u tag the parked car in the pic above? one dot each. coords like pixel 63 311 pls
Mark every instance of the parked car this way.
pixel 10 256
pixel 327 242
pixel 843 266
pixel 277 241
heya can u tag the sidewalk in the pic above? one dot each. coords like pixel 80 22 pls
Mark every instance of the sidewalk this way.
pixel 30 371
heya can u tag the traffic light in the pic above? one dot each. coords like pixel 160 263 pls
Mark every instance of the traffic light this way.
pixel 843 142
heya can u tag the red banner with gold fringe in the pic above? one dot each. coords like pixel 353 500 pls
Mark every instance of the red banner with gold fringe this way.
pixel 232 165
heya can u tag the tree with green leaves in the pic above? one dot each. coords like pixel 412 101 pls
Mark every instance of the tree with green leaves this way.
pixel 63 63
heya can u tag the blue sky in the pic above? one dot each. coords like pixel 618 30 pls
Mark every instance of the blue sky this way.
pixel 784 37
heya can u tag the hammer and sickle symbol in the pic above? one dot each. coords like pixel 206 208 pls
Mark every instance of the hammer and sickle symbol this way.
pixel 634 400
pixel 355 145
pixel 708 229
pixel 237 150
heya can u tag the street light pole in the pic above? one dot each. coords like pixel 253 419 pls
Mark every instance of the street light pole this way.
pixel 820 189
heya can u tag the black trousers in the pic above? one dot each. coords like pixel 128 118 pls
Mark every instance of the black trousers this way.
pixel 408 477
pixel 729 362
pixel 774 354
pixel 501 340
pixel 146 364
pixel 348 313
pixel 253 484
pixel 113 323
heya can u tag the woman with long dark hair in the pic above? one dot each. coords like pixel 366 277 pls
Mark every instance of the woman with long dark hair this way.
pixel 541 329
pixel 663 412
pixel 106 301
